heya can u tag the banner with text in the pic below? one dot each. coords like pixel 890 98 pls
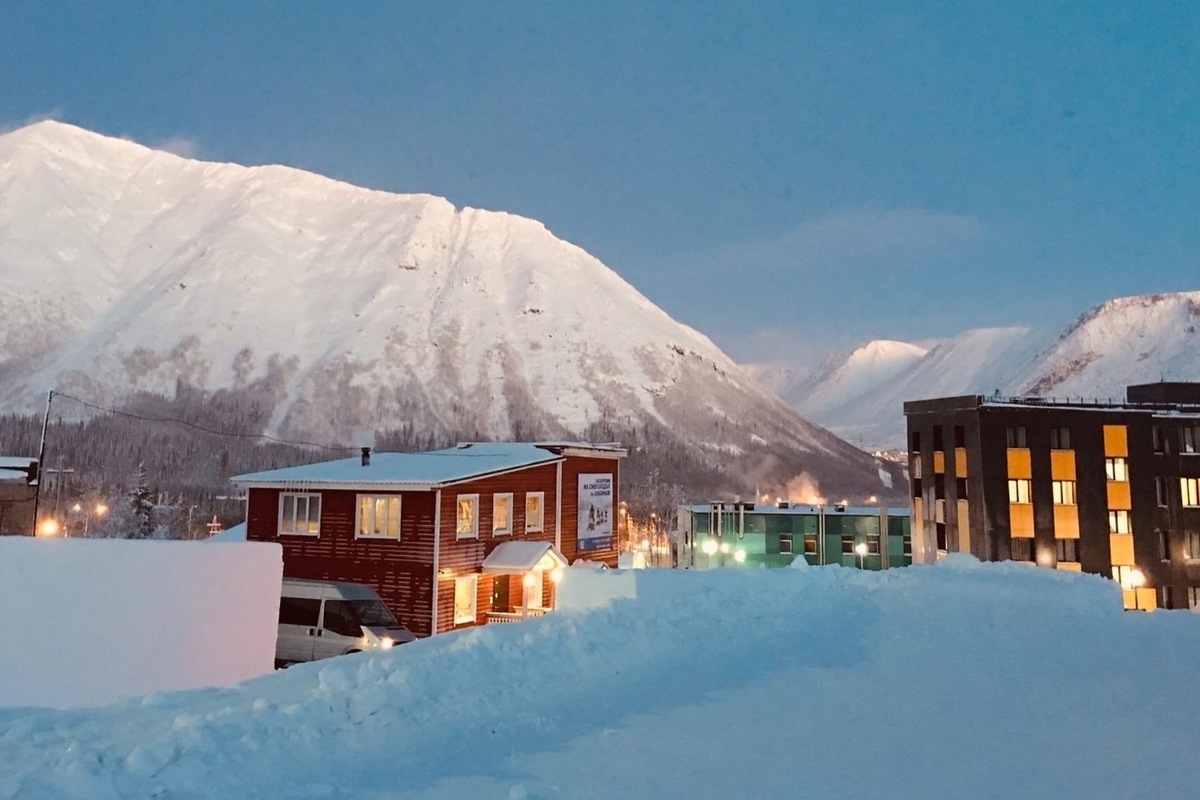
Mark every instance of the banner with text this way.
pixel 595 511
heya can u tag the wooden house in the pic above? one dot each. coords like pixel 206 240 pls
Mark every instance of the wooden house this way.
pixel 448 538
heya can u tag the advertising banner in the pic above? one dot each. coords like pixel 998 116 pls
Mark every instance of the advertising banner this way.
pixel 595 511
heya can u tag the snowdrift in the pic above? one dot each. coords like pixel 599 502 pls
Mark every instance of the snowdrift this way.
pixel 88 621
pixel 960 680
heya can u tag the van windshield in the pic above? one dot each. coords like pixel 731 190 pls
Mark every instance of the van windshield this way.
pixel 373 613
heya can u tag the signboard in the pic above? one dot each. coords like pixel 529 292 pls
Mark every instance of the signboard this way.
pixel 595 511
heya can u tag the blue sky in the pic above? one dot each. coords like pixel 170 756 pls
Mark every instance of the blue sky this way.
pixel 786 177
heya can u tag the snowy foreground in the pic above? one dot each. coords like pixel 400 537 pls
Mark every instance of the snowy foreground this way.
pixel 955 681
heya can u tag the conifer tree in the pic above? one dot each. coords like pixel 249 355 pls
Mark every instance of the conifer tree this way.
pixel 141 505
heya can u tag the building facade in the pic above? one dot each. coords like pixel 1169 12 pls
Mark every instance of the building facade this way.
pixel 1109 488
pixel 448 538
pixel 725 534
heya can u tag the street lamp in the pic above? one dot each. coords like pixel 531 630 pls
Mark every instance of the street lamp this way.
pixel 49 527
pixel 861 549
pixel 1137 579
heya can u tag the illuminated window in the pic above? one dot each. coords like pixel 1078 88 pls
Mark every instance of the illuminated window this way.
pixel 1118 522
pixel 1124 576
pixel 1117 469
pixel 467 526
pixel 1191 545
pixel 1066 549
pixel 1022 549
pixel 299 514
pixel 534 503
pixel 1015 436
pixel 1064 492
pixel 1060 438
pixel 378 516
pixel 1018 490
pixel 1189 492
pixel 1189 438
pixel 785 543
pixel 502 514
pixel 810 544
pixel 465 587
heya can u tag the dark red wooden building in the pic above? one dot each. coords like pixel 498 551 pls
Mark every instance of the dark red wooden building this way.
pixel 448 538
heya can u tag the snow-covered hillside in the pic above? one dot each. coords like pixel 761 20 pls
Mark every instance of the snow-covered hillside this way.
pixel 1125 341
pixel 954 681
pixel 345 311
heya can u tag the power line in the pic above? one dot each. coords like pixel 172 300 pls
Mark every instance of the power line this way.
pixel 194 426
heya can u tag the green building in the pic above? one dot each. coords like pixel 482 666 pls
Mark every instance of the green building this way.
pixel 739 534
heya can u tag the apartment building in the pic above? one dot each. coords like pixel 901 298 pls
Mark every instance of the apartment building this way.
pixel 1111 488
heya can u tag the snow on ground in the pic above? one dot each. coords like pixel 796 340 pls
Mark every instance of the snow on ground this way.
pixel 85 622
pixel 954 681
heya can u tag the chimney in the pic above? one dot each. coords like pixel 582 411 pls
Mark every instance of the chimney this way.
pixel 366 456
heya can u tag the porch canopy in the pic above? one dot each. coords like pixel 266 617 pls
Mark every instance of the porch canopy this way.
pixel 515 557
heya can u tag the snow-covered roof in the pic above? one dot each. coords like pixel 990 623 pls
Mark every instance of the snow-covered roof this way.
pixel 16 462
pixel 409 470
pixel 523 556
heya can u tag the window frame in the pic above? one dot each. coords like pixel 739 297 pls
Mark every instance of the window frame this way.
pixel 1060 438
pixel 1026 542
pixel 1115 515
pixel 541 514
pixel 1063 493
pixel 786 537
pixel 474 532
pixel 294 496
pixel 459 580
pixel 497 498
pixel 1191 546
pixel 1189 492
pixel 1015 485
pixel 374 499
pixel 1116 469
pixel 1064 549
pixel 1016 437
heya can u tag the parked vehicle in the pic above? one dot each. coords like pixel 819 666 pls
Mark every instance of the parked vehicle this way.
pixel 320 619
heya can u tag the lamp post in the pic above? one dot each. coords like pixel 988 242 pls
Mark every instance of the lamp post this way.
pixel 861 549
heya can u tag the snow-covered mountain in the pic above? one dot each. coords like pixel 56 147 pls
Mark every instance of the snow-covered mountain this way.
pixel 342 311
pixel 1124 341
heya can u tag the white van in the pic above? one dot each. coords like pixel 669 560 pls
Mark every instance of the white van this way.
pixel 319 619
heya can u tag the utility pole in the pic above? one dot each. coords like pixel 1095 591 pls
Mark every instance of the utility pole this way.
pixel 37 493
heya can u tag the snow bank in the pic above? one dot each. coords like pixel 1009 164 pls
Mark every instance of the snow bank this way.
pixel 951 681
pixel 89 621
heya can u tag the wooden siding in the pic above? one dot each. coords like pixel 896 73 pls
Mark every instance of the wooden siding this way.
pixel 400 571
pixel 464 556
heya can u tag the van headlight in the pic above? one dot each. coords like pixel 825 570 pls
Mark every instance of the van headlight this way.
pixel 385 642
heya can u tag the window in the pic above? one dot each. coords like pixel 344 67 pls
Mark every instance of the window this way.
pixel 1018 490
pixel 467 526
pixel 1166 596
pixel 1189 437
pixel 906 545
pixel 378 516
pixel 939 535
pixel 1015 434
pixel 810 544
pixel 534 503
pixel 533 582
pixel 1189 492
pixel 1066 549
pixel 299 514
pixel 1156 439
pixel 873 543
pixel 502 514
pixel 465 587
pixel 1060 438
pixel 848 544
pixel 299 611
pixel 340 618
pixel 1117 469
pixel 1022 549
pixel 937 438
pixel 916 442
pixel 1124 576
pixel 1164 545
pixel 960 436
pixel 916 466
pixel 1160 490
pixel 785 543
pixel 1118 522
pixel 960 488
pixel 1191 545
pixel 1064 492
pixel 1193 595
